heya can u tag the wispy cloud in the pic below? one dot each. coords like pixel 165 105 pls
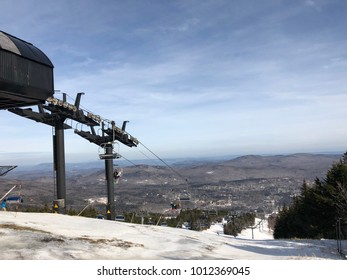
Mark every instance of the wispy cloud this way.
pixel 314 4
pixel 256 76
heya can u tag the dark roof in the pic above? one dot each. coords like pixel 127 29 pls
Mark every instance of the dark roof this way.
pixel 23 48
pixel 26 73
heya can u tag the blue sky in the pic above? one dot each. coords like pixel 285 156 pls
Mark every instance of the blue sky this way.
pixel 194 78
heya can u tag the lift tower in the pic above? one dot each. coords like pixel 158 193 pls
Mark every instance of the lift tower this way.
pixel 59 110
pixel 109 135
pixel 26 79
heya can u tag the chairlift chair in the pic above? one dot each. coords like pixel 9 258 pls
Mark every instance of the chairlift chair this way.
pixel 14 199
pixel 109 156
pixel 184 197
pixel 212 212
pixel 174 205
pixel 117 173
pixel 104 156
pixel 7 199
pixel 3 205
pixel 120 218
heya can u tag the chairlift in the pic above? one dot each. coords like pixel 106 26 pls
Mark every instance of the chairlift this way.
pixel 14 199
pixel 185 197
pixel 212 212
pixel 3 205
pixel 141 213
pixel 105 155
pixel 109 156
pixel 174 205
pixel 186 225
pixel 11 199
pixel 117 173
pixel 120 218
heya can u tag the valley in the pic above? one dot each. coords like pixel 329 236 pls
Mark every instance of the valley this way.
pixel 243 184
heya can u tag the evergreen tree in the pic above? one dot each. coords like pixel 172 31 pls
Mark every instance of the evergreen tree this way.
pixel 314 213
pixel 282 229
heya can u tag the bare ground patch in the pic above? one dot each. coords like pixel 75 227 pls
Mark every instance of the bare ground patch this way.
pixel 50 238
pixel 17 227
pixel 113 242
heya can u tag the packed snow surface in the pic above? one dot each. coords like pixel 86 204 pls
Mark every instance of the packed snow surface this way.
pixel 41 236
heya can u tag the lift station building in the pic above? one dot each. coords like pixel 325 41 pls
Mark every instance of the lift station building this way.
pixel 26 73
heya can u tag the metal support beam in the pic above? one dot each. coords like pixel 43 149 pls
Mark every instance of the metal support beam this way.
pixel 110 211
pixel 59 161
pixel 60 110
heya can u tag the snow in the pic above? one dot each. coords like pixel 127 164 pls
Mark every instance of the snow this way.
pixel 46 236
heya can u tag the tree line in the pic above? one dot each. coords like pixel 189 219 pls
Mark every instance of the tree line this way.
pixel 320 211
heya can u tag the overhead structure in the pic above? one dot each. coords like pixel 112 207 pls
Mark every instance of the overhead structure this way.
pixel 26 79
pixel 4 169
pixel 54 113
pixel 26 73
pixel 110 134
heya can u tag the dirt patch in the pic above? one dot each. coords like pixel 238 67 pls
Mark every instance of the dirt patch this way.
pixel 47 239
pixel 112 242
pixel 17 227
pixel 52 239
pixel 209 248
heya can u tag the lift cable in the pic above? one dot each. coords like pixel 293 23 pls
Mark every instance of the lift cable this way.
pixel 128 160
pixel 143 153
pixel 111 123
pixel 167 165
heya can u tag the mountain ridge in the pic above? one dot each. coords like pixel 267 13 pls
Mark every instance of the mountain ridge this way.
pixel 247 181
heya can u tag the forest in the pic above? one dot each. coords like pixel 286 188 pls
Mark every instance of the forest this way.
pixel 320 211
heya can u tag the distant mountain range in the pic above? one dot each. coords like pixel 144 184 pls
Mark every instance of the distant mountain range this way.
pixel 303 165
pixel 247 182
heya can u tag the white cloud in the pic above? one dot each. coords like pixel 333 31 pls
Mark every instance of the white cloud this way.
pixel 252 75
pixel 314 4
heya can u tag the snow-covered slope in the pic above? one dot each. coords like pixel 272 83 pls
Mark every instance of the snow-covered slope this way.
pixel 36 236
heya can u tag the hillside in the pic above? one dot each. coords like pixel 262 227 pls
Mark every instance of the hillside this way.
pixel 246 183
pixel 37 236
